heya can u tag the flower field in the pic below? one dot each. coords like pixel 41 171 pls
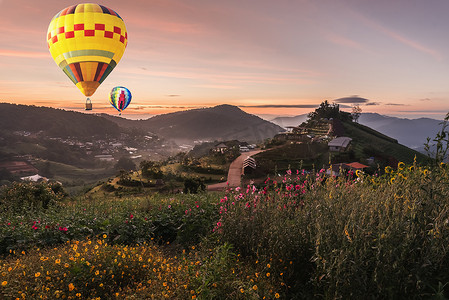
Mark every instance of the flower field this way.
pixel 298 236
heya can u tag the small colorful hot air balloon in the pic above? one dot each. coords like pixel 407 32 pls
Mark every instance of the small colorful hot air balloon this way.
pixel 120 97
pixel 87 41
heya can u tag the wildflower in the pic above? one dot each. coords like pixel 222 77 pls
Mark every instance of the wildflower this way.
pixel 58 261
pixel 105 236
pixel 4 283
pixel 255 287
pixel 78 295
pixel 71 287
pixel 401 165
pixel 37 274
pixel 268 265
pixel 268 274
pixel 277 296
pixel 242 290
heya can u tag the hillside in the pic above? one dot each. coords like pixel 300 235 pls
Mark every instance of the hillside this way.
pixel 366 142
pixel 410 132
pixel 222 122
pixel 54 122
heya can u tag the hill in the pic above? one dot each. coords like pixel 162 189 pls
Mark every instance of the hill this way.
pixel 366 143
pixel 222 122
pixel 54 122
pixel 289 121
pixel 410 132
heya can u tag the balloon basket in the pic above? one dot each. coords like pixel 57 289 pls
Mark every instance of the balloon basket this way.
pixel 88 104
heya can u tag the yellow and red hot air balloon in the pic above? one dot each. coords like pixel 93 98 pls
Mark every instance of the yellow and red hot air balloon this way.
pixel 87 41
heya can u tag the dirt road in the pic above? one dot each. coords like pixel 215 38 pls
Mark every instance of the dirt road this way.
pixel 234 173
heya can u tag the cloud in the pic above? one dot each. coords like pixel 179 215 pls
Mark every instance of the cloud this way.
pixel 352 99
pixel 425 99
pixel 28 54
pixel 173 95
pixel 372 103
pixel 399 37
pixel 396 104
pixel 281 106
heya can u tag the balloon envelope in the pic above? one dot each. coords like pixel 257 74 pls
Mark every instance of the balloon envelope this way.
pixel 87 41
pixel 120 97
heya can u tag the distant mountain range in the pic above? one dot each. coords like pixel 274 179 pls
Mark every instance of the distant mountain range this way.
pixel 222 122
pixel 412 133
pixel 54 122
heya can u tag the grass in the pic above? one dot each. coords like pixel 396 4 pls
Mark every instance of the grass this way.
pixel 297 236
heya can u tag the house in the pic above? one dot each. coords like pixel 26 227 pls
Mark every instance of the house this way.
pixel 344 167
pixel 105 157
pixel 357 166
pixel 222 148
pixel 34 178
pixel 249 165
pixel 339 144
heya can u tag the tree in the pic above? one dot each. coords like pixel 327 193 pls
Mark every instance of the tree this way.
pixel 325 110
pixel 356 112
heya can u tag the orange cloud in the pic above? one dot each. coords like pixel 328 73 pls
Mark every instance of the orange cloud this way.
pixel 28 54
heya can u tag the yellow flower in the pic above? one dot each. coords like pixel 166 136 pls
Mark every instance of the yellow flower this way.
pixel 58 261
pixel 268 265
pixel 4 283
pixel 388 169
pixel 71 287
pixel 164 284
pixel 105 236
pixel 78 295
pixel 277 296
pixel 37 274
pixel 242 290
pixel 9 269
pixel 268 274
pixel 401 165
pixel 255 287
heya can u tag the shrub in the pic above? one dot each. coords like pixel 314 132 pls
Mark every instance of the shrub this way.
pixel 27 195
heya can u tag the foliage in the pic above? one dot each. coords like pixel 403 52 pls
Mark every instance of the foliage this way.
pixel 349 237
pixel 28 195
pixel 328 111
pixel 193 186
pixel 438 151
pixel 298 236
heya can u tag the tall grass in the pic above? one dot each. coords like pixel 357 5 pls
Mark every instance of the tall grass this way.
pixel 299 236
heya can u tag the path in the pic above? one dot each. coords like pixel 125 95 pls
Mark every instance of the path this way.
pixel 234 173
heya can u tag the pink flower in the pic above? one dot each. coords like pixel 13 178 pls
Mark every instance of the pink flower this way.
pixel 63 229
pixel 219 224
pixel 289 172
pixel 131 216
pixel 169 206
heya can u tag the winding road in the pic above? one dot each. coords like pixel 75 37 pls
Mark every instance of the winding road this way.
pixel 234 173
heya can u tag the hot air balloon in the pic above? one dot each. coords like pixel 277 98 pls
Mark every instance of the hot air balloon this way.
pixel 87 41
pixel 120 97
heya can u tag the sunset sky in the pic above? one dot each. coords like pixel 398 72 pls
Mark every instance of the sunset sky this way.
pixel 269 57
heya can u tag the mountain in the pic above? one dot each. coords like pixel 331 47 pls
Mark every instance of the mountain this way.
pixel 289 121
pixel 222 122
pixel 54 122
pixel 410 132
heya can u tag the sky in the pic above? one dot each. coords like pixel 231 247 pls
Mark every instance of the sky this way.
pixel 269 57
